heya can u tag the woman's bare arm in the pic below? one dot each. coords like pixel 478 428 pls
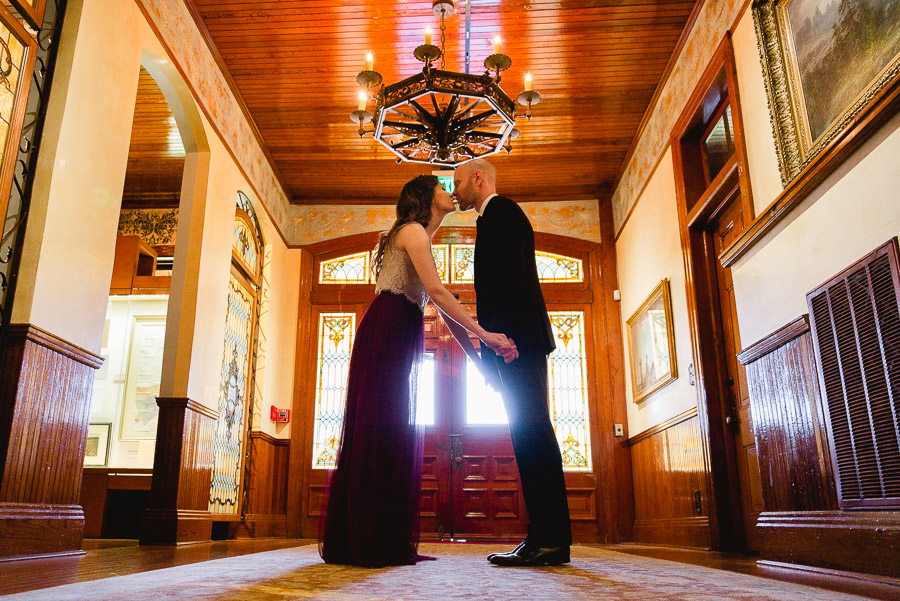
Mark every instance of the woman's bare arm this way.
pixel 414 240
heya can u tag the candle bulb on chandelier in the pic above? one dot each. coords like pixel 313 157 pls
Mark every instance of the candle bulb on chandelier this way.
pixel 363 99
pixel 370 61
pixel 429 36
pixel 528 82
pixel 497 45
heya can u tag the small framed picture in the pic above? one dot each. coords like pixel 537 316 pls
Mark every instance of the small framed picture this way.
pixel 96 452
pixel 651 344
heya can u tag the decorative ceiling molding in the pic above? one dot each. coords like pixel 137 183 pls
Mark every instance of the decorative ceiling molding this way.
pixel 712 23
pixel 173 21
pixel 316 223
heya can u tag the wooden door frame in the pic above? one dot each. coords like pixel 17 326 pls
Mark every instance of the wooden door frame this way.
pixel 611 457
pixel 699 255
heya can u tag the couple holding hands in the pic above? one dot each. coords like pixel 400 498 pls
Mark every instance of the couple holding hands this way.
pixel 372 501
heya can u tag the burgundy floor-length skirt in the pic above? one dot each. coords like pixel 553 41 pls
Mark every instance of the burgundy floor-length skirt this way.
pixel 371 505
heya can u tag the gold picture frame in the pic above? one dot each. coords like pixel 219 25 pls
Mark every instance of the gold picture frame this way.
pixel 821 74
pixel 651 344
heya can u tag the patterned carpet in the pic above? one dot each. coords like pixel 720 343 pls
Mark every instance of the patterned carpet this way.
pixel 461 572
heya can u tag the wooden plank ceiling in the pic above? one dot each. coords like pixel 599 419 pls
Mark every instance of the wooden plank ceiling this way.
pixel 156 154
pixel 597 63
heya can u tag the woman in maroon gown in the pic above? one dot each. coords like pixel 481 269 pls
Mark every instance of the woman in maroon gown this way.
pixel 371 507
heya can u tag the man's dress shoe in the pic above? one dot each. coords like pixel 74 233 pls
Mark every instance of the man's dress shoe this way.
pixel 493 555
pixel 528 555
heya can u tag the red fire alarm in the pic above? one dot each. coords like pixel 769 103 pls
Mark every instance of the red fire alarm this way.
pixel 282 416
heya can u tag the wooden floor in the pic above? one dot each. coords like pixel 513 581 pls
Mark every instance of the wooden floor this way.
pixel 104 559
pixel 874 587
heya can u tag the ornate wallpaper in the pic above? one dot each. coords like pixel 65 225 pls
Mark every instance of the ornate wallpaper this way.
pixel 714 19
pixel 315 223
pixel 154 226
pixel 174 22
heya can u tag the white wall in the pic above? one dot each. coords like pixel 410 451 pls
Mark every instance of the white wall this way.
pixel 70 242
pixel 852 212
pixel 66 267
pixel 765 180
pixel 648 250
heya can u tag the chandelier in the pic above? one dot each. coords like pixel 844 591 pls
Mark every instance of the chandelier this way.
pixel 443 117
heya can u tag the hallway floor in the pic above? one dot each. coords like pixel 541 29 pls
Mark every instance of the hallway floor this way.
pixel 280 569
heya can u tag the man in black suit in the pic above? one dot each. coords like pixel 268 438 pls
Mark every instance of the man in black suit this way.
pixel 509 300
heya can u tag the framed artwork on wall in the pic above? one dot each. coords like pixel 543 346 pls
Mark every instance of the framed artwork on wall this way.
pixel 651 344
pixel 96 452
pixel 825 62
pixel 140 412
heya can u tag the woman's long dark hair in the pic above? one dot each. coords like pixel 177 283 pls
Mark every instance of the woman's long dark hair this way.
pixel 414 205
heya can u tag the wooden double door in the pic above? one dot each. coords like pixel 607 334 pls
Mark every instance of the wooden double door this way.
pixel 470 484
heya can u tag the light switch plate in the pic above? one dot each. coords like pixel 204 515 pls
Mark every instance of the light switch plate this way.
pixel 620 430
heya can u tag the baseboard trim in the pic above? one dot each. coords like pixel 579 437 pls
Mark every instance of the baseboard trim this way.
pixel 683 532
pixel 259 525
pixel 865 542
pixel 830 572
pixel 36 530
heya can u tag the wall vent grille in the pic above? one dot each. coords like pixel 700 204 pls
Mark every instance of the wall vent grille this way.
pixel 855 321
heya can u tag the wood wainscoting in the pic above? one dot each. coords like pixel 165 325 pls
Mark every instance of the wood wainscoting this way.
pixel 182 472
pixel 266 509
pixel 45 401
pixel 802 522
pixel 670 483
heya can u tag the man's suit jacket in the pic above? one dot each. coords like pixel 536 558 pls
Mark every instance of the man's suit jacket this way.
pixel 508 294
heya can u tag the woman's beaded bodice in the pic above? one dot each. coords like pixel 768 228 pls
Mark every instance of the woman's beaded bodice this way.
pixel 398 275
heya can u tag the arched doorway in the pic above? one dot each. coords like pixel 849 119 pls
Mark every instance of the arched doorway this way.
pixel 470 487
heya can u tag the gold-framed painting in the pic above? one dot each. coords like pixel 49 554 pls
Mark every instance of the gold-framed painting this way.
pixel 825 62
pixel 140 413
pixel 651 344
pixel 96 451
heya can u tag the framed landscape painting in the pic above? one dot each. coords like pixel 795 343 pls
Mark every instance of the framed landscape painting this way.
pixel 825 62
pixel 651 344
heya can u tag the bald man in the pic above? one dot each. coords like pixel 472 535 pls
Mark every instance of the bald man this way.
pixel 509 300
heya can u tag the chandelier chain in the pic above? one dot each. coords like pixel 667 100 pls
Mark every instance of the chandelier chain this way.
pixel 443 42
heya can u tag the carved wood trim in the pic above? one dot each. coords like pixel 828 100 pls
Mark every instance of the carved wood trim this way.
pixel 259 434
pixel 26 331
pixel 776 339
pixel 681 417
pixel 858 541
pixel 186 403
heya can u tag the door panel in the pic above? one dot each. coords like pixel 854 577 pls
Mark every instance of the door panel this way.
pixel 728 227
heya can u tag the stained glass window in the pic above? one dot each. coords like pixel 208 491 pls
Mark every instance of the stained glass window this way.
pixel 352 269
pixel 463 269
pixel 229 446
pixel 558 268
pixel 11 54
pixel 568 390
pixel 441 253
pixel 455 265
pixel 244 245
pixel 336 332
